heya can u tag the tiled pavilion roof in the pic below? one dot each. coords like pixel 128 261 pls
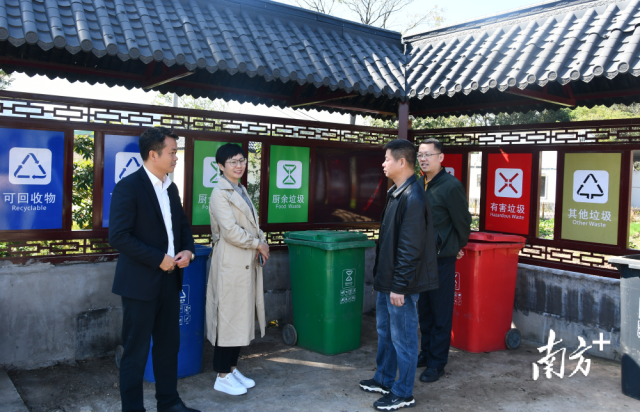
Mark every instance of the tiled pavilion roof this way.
pixel 553 43
pixel 266 52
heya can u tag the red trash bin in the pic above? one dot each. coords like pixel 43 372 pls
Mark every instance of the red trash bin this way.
pixel 484 293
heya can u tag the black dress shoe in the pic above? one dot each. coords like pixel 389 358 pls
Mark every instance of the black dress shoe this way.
pixel 431 375
pixel 422 360
pixel 180 407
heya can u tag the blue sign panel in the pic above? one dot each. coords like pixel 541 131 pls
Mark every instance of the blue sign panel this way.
pixel 31 179
pixel 121 158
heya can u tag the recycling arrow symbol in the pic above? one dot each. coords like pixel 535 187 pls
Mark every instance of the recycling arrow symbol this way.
pixel 124 169
pixel 590 187
pixel 23 164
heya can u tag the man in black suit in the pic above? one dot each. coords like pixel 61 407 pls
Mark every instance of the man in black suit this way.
pixel 150 230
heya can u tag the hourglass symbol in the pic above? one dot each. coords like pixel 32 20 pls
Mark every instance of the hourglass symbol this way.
pixel 289 180
pixel 210 172
pixel 289 175
pixel 214 178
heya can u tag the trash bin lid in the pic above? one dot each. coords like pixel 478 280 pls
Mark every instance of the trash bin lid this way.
pixel 327 236
pixel 495 238
pixel 329 239
pixel 202 250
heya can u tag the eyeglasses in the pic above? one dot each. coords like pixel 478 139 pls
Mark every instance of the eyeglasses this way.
pixel 427 155
pixel 234 163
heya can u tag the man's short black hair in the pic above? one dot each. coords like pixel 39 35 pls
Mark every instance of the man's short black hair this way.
pixel 435 142
pixel 227 151
pixel 402 149
pixel 153 139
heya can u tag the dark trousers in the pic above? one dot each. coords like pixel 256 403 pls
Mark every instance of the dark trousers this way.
pixel 435 311
pixel 224 357
pixel 140 321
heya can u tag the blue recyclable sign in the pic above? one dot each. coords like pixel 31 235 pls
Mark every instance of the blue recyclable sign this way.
pixel 31 179
pixel 121 158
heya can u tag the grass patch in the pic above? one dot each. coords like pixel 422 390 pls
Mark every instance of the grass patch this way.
pixel 545 228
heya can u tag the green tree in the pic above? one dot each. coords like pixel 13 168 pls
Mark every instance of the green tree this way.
pixel 534 116
pixel 82 198
pixel 5 80
pixel 253 173
pixel 617 111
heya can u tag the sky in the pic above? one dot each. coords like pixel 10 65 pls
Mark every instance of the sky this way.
pixel 454 11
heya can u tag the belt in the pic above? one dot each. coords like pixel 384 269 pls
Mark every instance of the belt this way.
pixel 172 272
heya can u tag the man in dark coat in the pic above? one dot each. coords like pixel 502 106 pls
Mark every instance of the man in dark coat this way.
pixel 452 224
pixel 405 266
pixel 150 230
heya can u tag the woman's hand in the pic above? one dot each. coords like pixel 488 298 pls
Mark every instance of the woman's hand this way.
pixel 263 249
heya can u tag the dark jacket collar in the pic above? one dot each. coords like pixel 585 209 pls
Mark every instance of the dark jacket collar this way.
pixel 441 173
pixel 395 192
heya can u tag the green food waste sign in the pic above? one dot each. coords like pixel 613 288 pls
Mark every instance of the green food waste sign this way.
pixel 591 196
pixel 288 185
pixel 206 175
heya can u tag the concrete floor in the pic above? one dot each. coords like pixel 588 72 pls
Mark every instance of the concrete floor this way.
pixel 293 379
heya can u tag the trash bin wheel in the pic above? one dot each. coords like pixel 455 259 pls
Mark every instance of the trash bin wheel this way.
pixel 513 338
pixel 290 335
pixel 119 352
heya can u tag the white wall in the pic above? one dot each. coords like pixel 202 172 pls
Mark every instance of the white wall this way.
pixel 635 189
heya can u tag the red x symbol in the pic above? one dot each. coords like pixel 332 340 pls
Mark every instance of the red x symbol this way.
pixel 508 182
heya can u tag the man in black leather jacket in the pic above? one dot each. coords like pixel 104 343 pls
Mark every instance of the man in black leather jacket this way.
pixel 405 266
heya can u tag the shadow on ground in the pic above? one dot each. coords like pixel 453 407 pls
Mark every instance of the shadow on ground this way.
pixel 294 379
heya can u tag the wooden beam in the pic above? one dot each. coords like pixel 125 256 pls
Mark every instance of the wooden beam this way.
pixel 320 99
pixel 165 78
pixel 357 109
pixel 403 120
pixel 608 94
pixel 225 89
pixel 46 66
pixel 543 96
pixel 71 68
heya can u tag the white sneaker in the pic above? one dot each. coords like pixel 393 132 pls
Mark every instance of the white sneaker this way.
pixel 246 382
pixel 230 385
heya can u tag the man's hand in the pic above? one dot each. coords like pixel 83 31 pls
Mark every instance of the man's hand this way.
pixel 397 300
pixel 263 249
pixel 183 259
pixel 168 263
pixel 460 254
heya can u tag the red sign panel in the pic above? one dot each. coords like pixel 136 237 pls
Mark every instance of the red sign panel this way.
pixel 508 193
pixel 453 165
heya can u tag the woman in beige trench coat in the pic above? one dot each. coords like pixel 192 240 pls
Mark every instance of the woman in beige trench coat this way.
pixel 235 294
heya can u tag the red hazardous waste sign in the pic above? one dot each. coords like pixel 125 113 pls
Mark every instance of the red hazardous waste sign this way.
pixel 452 163
pixel 508 193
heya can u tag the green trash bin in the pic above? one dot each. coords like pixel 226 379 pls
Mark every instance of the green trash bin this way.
pixel 327 286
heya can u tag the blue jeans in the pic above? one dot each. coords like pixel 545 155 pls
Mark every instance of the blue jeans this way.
pixel 397 343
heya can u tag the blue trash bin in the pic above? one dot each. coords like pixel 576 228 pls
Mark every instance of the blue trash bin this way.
pixel 192 300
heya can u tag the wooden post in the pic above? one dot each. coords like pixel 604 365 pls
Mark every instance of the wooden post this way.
pixel 403 120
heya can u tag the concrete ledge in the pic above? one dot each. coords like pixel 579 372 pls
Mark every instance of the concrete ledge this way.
pixel 62 313
pixel 55 313
pixel 572 304
pixel 10 400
